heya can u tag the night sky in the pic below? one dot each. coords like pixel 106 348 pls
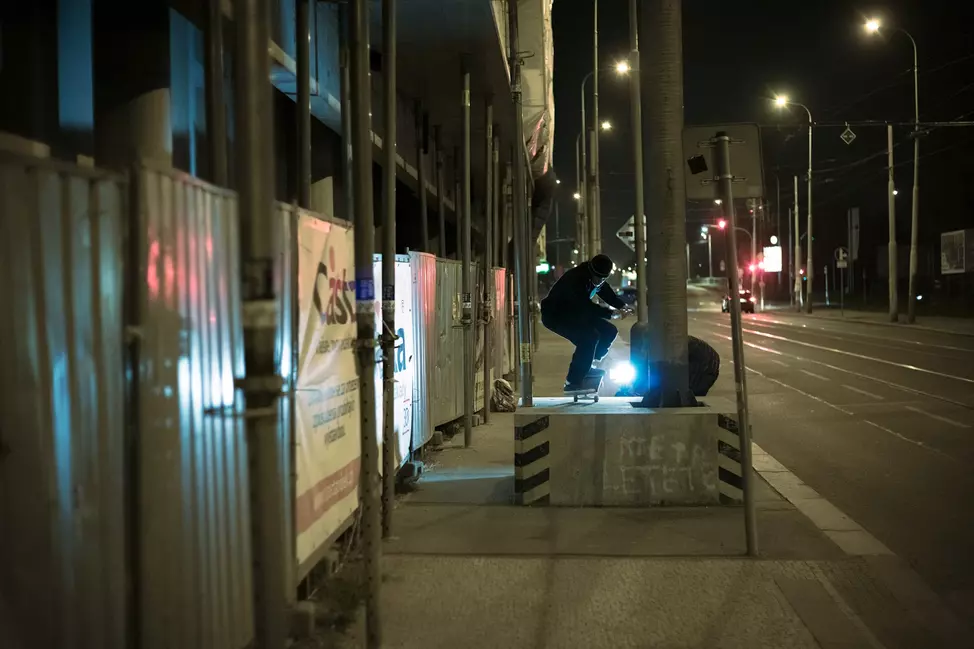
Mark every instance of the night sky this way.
pixel 738 54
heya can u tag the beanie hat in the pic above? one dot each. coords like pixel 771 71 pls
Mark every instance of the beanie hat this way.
pixel 601 265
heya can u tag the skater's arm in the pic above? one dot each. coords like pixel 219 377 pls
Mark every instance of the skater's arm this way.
pixel 609 297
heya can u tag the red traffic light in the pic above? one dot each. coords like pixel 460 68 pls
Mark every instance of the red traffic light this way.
pixel 722 224
pixel 752 268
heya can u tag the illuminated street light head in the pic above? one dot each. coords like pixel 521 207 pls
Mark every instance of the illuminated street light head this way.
pixel 872 26
pixel 718 201
pixel 577 196
pixel 622 67
pixel 606 125
pixel 557 182
pixel 781 100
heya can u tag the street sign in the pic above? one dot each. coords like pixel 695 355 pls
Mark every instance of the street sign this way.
pixel 847 135
pixel 627 233
pixel 772 259
pixel 841 257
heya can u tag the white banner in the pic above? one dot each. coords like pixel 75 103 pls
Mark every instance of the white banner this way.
pixel 327 400
pixel 404 365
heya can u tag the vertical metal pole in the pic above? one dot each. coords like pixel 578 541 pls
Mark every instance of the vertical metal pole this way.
pixel 388 338
pixel 662 69
pixel 596 214
pixel 915 213
pixel 488 251
pixel 506 216
pixel 467 301
pixel 777 225
pixel 580 201
pixel 809 266
pixel 798 252
pixel 890 188
pixel 498 212
pixel 365 315
pixel 345 36
pixel 710 254
pixel 586 191
pixel 722 159
pixel 842 292
pixel 457 203
pixel 519 216
pixel 754 242
pixel 216 109
pixel 304 102
pixel 440 197
pixel 591 199
pixel 825 272
pixel 424 226
pixel 791 265
pixel 262 385
pixel 636 111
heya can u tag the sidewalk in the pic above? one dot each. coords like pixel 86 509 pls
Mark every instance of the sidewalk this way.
pixel 468 570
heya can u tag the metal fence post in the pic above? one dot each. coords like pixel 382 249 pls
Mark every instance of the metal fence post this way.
pixel 262 385
pixel 489 208
pixel 467 298
pixel 388 338
pixel 365 315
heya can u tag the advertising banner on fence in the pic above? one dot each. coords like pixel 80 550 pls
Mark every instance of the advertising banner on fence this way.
pixel 327 400
pixel 403 366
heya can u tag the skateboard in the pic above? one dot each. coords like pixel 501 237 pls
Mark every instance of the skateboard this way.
pixel 590 389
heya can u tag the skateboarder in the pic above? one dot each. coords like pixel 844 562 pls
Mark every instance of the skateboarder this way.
pixel 568 310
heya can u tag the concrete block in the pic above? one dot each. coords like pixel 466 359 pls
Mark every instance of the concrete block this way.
pixel 611 454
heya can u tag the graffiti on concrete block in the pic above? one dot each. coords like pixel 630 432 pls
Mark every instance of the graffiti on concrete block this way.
pixel 665 469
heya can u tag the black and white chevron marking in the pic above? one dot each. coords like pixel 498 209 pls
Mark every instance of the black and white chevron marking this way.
pixel 729 471
pixel 531 463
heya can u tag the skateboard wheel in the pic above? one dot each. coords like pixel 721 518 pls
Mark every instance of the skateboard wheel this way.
pixel 596 398
pixel 576 398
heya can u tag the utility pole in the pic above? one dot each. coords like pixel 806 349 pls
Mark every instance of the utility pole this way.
pixel 891 197
pixel 791 265
pixel 596 186
pixel 636 109
pixel 440 189
pixel 797 253
pixel 809 265
pixel 422 123
pixel 488 263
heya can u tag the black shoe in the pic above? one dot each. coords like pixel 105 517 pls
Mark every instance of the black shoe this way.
pixel 574 387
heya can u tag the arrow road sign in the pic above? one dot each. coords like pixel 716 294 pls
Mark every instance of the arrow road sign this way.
pixel 841 257
pixel 627 233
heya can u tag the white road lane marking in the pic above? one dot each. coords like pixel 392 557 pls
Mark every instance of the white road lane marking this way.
pixel 814 375
pixel 801 392
pixel 843 333
pixel 863 392
pixel 946 420
pixel 777 362
pixel 910 440
pixel 898 386
pixel 859 356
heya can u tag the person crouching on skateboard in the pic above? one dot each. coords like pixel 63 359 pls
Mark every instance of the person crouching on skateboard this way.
pixel 568 310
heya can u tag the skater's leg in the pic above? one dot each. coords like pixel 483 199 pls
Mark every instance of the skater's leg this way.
pixel 585 340
pixel 607 335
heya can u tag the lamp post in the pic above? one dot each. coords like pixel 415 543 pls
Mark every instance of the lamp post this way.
pixel 592 203
pixel 873 26
pixel 781 101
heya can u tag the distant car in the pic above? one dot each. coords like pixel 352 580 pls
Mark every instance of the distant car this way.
pixel 628 295
pixel 747 302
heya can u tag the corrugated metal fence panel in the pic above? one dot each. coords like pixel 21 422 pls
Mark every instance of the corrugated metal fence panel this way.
pixel 498 325
pixel 424 350
pixel 447 395
pixel 194 538
pixel 61 406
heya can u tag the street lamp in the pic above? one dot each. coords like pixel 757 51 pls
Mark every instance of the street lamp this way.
pixel 606 125
pixel 589 164
pixel 781 101
pixel 577 196
pixel 717 201
pixel 872 26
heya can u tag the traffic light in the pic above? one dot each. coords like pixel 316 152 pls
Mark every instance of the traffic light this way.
pixel 721 224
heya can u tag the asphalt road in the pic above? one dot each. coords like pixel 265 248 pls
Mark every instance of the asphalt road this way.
pixel 879 420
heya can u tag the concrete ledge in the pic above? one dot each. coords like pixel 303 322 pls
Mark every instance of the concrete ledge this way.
pixel 611 454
